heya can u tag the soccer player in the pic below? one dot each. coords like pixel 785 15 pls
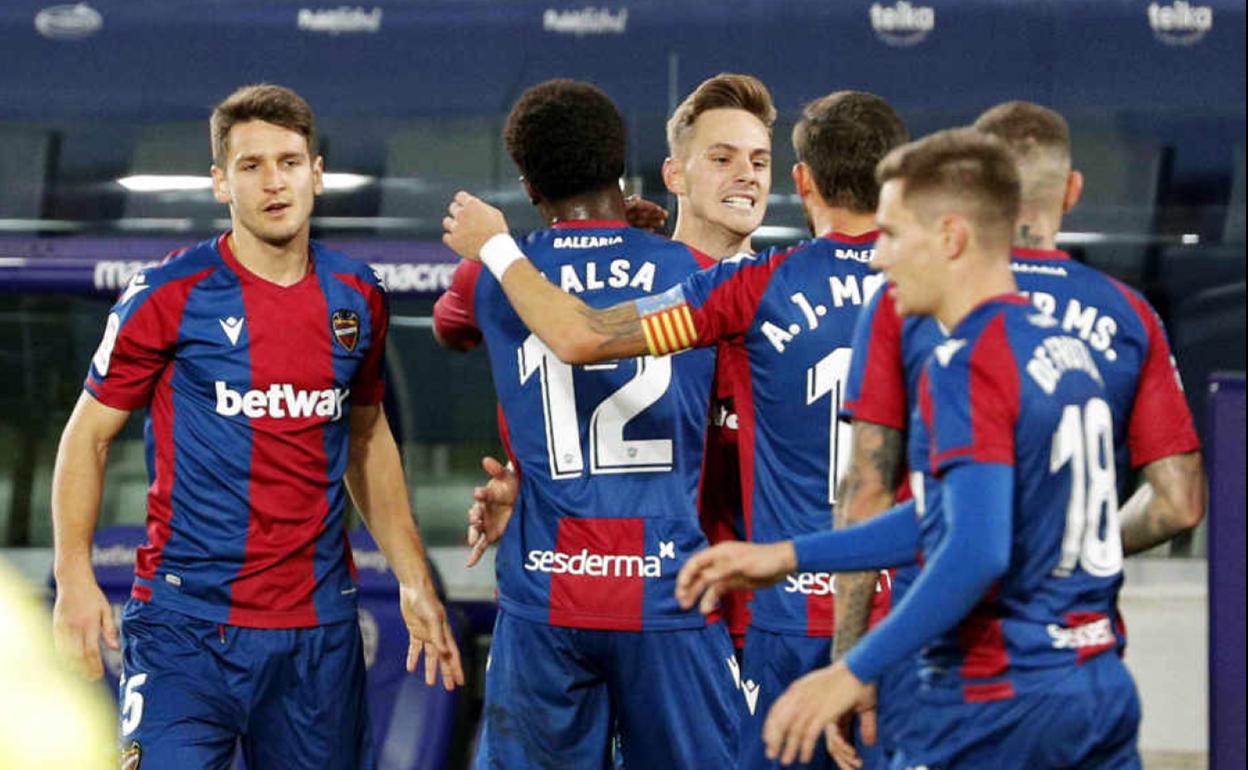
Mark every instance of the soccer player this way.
pixel 719 168
pixel 589 638
pixel 259 355
pixel 1014 607
pixel 795 310
pixel 1125 336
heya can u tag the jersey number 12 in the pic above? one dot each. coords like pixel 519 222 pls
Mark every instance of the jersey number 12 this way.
pixel 609 451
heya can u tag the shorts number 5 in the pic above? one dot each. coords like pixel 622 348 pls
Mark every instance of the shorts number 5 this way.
pixel 132 703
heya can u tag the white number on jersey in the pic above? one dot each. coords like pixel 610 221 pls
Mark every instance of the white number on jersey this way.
pixel 609 451
pixel 132 703
pixel 1085 440
pixel 827 378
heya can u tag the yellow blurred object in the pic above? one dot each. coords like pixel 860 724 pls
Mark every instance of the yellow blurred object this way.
pixel 50 719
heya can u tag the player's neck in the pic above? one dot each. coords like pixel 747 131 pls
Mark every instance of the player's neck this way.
pixel 980 279
pixel 1037 231
pixel 825 220
pixel 712 240
pixel 1038 224
pixel 283 264
pixel 604 205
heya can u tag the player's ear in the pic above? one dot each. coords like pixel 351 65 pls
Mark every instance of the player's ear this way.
pixel 220 190
pixel 674 176
pixel 318 175
pixel 803 182
pixel 1074 189
pixel 954 233
pixel 535 197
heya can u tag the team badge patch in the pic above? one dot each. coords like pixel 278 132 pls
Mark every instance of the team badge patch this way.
pixel 346 325
pixel 131 756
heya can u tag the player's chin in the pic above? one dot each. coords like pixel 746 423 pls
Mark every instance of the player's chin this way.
pixel 279 234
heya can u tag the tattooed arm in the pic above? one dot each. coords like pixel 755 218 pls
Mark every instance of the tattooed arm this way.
pixel 1171 501
pixel 866 491
pixel 574 331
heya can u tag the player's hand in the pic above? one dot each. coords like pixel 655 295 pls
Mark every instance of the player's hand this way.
pixel 430 634
pixel 644 214
pixel 491 507
pixel 841 740
pixel 729 566
pixel 811 707
pixel 79 617
pixel 469 223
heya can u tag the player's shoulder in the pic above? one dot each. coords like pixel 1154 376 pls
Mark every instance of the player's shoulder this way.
pixel 987 335
pixel 358 273
pixel 160 282
pixel 199 259
pixel 1110 293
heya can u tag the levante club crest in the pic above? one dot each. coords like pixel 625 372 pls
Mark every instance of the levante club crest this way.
pixel 346 325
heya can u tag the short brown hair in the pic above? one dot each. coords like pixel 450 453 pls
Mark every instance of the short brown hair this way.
pixel 841 137
pixel 263 101
pixel 966 165
pixel 725 91
pixel 1040 140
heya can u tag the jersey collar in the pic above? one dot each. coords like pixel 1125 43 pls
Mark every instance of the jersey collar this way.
pixel 1021 253
pixel 589 224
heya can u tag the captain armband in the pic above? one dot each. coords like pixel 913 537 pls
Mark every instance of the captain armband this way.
pixel 667 322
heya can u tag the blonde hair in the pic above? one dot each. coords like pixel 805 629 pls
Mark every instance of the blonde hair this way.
pixel 724 91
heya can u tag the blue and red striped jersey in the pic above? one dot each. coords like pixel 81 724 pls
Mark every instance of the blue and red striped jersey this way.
pixel 248 386
pixel 1150 416
pixel 719 501
pixel 609 455
pixel 795 310
pixel 1011 387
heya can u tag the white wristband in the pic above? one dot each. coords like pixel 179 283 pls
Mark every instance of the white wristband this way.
pixel 499 252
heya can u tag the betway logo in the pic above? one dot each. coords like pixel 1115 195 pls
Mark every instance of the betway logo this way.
pixel 281 401
pixel 600 564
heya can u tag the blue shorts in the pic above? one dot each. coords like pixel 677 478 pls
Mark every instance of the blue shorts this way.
pixel 896 690
pixel 1088 718
pixel 771 662
pixel 555 696
pixel 191 689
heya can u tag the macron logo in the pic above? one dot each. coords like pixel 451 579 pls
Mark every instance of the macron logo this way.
pixel 750 689
pixel 281 401
pixel 232 327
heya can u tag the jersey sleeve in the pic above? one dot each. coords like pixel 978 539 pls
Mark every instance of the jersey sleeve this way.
pixel 876 389
pixel 712 304
pixel 1161 424
pixel 138 343
pixel 369 385
pixel 455 314
pixel 972 397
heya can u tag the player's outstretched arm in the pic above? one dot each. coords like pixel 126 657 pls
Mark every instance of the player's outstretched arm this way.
pixel 1171 501
pixel 730 566
pixel 491 507
pixel 375 482
pixel 866 491
pixel 575 332
pixel 81 613
pixel 886 541
pixel 975 551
